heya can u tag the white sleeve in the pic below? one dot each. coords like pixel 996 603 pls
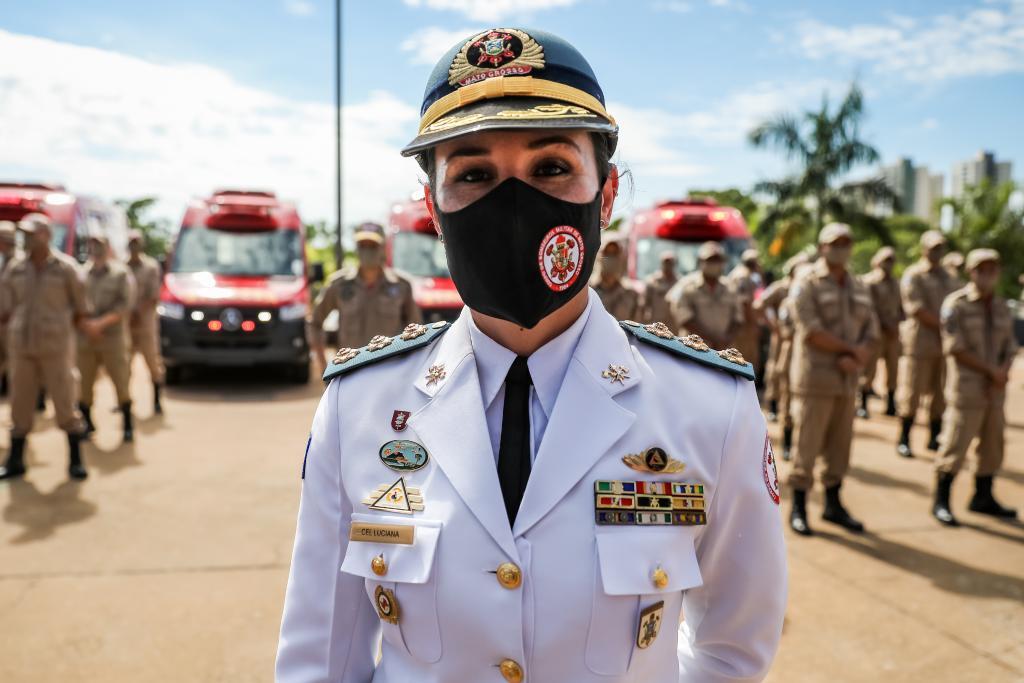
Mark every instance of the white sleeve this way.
pixel 329 631
pixel 733 622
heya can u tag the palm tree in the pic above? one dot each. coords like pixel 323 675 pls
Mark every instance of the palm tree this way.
pixel 156 235
pixel 827 145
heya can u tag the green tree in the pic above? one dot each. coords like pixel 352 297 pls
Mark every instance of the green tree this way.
pixel 733 197
pixel 156 233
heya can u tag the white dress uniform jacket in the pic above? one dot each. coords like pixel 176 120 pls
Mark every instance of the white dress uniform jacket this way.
pixel 574 617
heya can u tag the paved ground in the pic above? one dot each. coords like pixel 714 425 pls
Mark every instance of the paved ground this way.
pixel 169 563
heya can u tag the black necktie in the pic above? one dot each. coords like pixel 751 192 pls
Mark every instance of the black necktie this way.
pixel 514 450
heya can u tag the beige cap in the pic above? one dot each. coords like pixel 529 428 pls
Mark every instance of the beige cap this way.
pixel 792 262
pixel 978 256
pixel 667 256
pixel 953 259
pixel 749 255
pixel 932 238
pixel 99 237
pixel 32 221
pixel 834 231
pixel 135 236
pixel 710 250
pixel 8 231
pixel 369 232
pixel 883 254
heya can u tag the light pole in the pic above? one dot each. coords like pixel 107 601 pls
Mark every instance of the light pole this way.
pixel 339 253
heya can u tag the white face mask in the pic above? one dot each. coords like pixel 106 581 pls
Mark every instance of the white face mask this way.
pixel 712 269
pixel 986 283
pixel 838 256
pixel 370 257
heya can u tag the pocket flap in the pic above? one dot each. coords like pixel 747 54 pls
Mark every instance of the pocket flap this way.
pixel 629 558
pixel 404 562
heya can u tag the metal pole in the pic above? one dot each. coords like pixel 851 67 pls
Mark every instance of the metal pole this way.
pixel 339 251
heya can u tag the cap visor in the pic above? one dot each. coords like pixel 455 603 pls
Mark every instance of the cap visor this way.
pixel 368 237
pixel 509 113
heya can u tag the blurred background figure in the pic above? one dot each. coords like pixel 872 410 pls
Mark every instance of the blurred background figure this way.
pixel 104 343
pixel 42 300
pixel 371 299
pixel 143 325
pixel 953 262
pixel 977 337
pixel 746 279
pixel 787 331
pixel 767 306
pixel 655 306
pixel 885 296
pixel 8 253
pixel 924 286
pixel 703 304
pixel 617 293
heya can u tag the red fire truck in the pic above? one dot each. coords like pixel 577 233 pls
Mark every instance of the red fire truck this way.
pixel 415 251
pixel 236 288
pixel 74 217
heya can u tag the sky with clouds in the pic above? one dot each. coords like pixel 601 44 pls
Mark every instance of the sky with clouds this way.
pixel 126 99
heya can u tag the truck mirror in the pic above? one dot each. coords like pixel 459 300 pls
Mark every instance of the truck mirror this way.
pixel 316 272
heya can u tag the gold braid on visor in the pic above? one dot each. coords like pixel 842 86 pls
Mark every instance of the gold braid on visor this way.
pixel 510 86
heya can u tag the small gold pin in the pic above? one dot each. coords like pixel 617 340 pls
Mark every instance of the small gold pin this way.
pixel 395 497
pixel 653 460
pixel 378 565
pixel 387 605
pixel 659 577
pixel 435 373
pixel 650 624
pixel 616 373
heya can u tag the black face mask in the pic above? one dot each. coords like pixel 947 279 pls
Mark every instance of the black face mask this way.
pixel 520 254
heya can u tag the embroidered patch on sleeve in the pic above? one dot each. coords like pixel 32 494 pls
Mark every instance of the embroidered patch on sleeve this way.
pixel 771 476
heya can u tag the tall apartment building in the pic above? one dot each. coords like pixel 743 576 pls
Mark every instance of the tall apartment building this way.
pixel 917 189
pixel 981 167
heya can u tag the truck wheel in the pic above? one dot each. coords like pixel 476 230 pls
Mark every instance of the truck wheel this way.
pixel 172 375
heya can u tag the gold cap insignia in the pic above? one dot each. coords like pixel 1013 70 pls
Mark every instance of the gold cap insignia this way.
pixel 495 52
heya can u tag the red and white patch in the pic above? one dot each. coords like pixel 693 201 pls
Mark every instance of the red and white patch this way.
pixel 771 476
pixel 561 257
pixel 399 419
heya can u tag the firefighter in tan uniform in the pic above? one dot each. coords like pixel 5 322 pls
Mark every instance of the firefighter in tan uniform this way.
pixel 619 296
pixel 8 254
pixel 885 295
pixel 787 331
pixel 835 331
pixel 703 304
pixel 977 337
pixel 371 299
pixel 144 326
pixel 953 262
pixel 924 286
pixel 110 293
pixel 655 305
pixel 42 300
pixel 745 279
pixel 767 307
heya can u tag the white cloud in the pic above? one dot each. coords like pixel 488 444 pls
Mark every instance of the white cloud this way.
pixel 930 124
pixel 117 126
pixel 429 44
pixel 300 8
pixel 491 10
pixel 983 41
pixel 673 6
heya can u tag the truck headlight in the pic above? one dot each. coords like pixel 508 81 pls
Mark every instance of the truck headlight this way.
pixel 295 311
pixel 167 309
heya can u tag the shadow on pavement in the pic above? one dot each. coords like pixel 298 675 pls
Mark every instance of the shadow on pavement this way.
pixel 40 514
pixel 873 478
pixel 110 461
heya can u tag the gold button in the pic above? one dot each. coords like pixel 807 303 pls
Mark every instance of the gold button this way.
pixel 659 578
pixel 379 566
pixel 512 672
pixel 510 576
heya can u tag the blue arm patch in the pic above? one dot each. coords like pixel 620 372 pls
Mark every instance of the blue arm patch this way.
pixel 728 360
pixel 414 337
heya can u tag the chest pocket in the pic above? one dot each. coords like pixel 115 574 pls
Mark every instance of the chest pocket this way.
pixel 973 328
pixel 861 314
pixel 389 308
pixel 627 557
pixel 410 576
pixel 827 303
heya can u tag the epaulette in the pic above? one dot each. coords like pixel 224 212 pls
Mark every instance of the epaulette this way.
pixel 381 348
pixel 691 347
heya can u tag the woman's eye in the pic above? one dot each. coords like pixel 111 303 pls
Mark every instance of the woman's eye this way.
pixel 474 175
pixel 551 168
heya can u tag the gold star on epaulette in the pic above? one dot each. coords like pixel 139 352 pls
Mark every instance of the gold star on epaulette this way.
pixel 413 330
pixel 378 343
pixel 733 356
pixel 344 355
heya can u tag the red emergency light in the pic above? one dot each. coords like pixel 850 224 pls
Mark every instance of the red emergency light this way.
pixel 215 326
pixel 248 326
pixel 245 215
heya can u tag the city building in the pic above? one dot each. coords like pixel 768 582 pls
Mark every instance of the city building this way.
pixel 984 166
pixel 917 190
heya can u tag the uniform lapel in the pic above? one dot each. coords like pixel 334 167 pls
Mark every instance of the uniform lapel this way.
pixel 586 419
pixel 453 428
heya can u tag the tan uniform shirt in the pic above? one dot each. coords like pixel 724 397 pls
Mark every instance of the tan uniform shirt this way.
pixel 844 310
pixel 621 300
pixel 983 330
pixel 146 272
pixel 885 295
pixel 923 287
pixel 110 289
pixel 742 280
pixel 42 304
pixel 716 311
pixel 365 311
pixel 773 296
pixel 655 307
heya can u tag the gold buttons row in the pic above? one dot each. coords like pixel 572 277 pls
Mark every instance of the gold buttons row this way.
pixel 509 575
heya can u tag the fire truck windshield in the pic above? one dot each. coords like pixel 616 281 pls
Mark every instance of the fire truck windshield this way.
pixel 58 236
pixel 649 250
pixel 235 252
pixel 420 255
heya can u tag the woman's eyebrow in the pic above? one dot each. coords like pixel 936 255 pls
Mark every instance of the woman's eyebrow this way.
pixel 468 152
pixel 553 140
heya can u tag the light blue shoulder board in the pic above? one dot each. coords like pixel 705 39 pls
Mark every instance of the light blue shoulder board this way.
pixel 382 348
pixel 692 348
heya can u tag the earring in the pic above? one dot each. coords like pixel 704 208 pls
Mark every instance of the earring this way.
pixel 603 224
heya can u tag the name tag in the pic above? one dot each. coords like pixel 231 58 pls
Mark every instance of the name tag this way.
pixel 401 534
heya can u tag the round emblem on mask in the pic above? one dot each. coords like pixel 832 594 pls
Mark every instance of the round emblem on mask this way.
pixel 561 257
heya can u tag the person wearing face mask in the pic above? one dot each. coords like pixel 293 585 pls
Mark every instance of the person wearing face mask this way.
pixel 370 298
pixel 885 294
pixel 536 491
pixel 703 304
pixel 921 373
pixel 835 330
pixel 953 262
pixel 768 306
pixel 619 296
pixel 144 326
pixel 110 293
pixel 978 340
pixel 42 300
pixel 745 279
pixel 654 305
pixel 787 332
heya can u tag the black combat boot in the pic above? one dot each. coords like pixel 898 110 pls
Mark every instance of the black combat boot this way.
pixel 940 509
pixel 86 412
pixel 984 502
pixel 837 514
pixel 773 410
pixel 126 416
pixel 890 404
pixel 15 465
pixel 862 410
pixel 76 469
pixel 41 401
pixel 904 447
pixel 936 429
pixel 798 515
pixel 157 408
pixel 787 443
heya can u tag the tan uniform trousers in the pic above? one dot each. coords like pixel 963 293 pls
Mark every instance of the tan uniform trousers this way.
pixel 961 427
pixel 823 425
pixel 921 376
pixel 771 369
pixel 113 357
pixel 887 350
pixel 785 395
pixel 28 374
pixel 146 341
pixel 748 343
